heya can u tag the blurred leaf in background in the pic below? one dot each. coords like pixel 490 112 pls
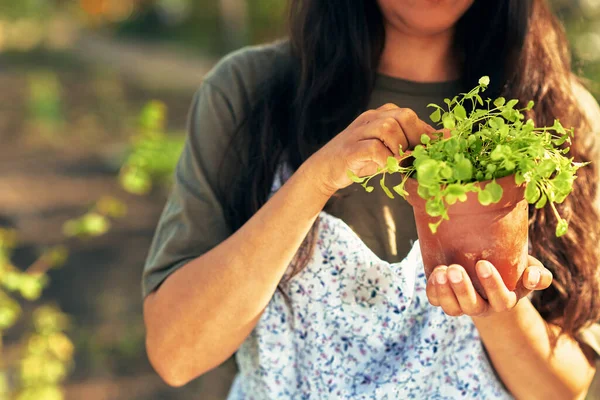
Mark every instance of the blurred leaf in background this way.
pixel 153 153
pixel 45 104
pixel 35 366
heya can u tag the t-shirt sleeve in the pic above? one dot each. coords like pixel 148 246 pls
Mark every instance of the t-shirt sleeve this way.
pixel 193 220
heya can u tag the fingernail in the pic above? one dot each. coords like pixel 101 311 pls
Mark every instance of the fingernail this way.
pixel 534 277
pixel 483 269
pixel 455 276
pixel 440 278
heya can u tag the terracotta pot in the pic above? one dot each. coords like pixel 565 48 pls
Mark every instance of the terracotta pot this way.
pixel 497 233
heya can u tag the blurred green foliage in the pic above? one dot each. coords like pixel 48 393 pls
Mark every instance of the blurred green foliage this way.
pixel 97 221
pixel 27 8
pixel 44 103
pixel 153 153
pixel 35 366
pixel 214 26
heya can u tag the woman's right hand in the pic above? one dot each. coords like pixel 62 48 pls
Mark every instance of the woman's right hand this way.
pixel 365 145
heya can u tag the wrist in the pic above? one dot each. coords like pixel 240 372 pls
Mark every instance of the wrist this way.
pixel 313 174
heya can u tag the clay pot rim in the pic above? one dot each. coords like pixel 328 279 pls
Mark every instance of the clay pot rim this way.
pixel 511 196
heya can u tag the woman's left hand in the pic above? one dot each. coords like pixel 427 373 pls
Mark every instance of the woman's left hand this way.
pixel 451 288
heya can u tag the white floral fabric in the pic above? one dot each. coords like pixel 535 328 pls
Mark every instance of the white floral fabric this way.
pixel 352 326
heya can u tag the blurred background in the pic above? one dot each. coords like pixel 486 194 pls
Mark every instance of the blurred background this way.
pixel 93 102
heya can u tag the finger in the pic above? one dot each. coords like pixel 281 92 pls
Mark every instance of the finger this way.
pixel 469 301
pixel 536 278
pixel 431 292
pixel 545 274
pixel 445 294
pixel 375 151
pixel 365 118
pixel 387 107
pixel 389 132
pixel 372 115
pixel 499 297
pixel 411 125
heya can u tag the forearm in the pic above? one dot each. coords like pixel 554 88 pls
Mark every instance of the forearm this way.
pixel 202 313
pixel 519 345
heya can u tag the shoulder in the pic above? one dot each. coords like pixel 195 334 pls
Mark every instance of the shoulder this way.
pixel 239 75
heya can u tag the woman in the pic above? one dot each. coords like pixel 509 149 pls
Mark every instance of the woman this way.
pixel 273 130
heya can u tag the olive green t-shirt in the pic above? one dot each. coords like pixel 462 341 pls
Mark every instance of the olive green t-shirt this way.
pixel 193 220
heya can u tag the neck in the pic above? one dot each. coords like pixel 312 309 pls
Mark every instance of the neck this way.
pixel 419 58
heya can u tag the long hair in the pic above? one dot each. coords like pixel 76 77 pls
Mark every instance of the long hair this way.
pixel 326 83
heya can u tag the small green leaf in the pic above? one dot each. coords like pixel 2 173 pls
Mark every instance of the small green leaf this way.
pixel 560 141
pixel 448 121
pixel 532 192
pixel 530 105
pixel 393 165
pixel 434 208
pixel 455 189
pixel 446 172
pixel 463 170
pixel 484 197
pixel 434 227
pixel 400 190
pixel 561 197
pixel 546 168
pixel 541 203
pixel 422 191
pixel 495 190
pixel 561 227
pixel 509 165
pixel 425 139
pixel 484 81
pixel 499 102
pixel 369 189
pixel 512 103
pixel 559 128
pixel 436 116
pixel 427 171
pixel 354 178
pixel 460 113
pixel 385 188
pixel 519 178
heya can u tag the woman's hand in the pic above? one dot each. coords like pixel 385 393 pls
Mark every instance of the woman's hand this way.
pixel 365 145
pixel 451 288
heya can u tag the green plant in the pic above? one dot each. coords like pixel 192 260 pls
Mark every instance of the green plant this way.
pixel 490 142
pixel 45 104
pixel 96 222
pixel 154 154
pixel 35 366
